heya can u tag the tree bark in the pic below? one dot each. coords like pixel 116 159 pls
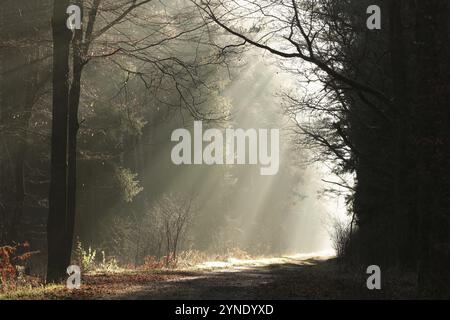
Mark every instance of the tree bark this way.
pixel 74 100
pixel 56 225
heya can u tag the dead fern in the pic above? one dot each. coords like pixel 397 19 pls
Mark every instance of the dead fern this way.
pixel 10 259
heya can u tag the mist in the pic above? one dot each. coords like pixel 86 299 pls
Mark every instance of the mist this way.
pixel 235 206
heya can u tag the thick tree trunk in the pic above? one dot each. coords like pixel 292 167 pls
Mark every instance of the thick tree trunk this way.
pixel 56 226
pixel 80 50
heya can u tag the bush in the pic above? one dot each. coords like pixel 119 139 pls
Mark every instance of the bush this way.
pixel 340 237
pixel 85 258
pixel 129 186
pixel 10 260
pixel 108 264
pixel 174 214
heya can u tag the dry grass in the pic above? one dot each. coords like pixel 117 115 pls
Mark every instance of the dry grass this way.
pixel 95 285
pixel 190 259
pixel 33 292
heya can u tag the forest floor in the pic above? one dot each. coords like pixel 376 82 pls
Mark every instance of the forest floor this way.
pixel 289 277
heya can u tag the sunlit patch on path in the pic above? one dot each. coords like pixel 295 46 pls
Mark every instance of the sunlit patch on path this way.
pixel 234 263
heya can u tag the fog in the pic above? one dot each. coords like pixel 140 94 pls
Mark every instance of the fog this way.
pixel 235 206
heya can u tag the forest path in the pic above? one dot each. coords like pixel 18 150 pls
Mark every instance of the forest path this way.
pixel 293 277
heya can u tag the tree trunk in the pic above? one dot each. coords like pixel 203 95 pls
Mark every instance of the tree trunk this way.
pixel 56 225
pixel 74 100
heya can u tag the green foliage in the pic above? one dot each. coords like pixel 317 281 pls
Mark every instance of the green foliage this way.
pixel 85 257
pixel 88 259
pixel 129 186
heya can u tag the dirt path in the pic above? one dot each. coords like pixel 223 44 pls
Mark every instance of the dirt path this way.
pixel 278 278
pixel 291 277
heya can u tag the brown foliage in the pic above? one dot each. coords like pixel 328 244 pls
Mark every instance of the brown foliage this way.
pixel 152 262
pixel 10 258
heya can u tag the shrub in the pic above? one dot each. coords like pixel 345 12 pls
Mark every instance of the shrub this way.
pixel 129 186
pixel 10 258
pixel 340 237
pixel 108 264
pixel 174 214
pixel 85 258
